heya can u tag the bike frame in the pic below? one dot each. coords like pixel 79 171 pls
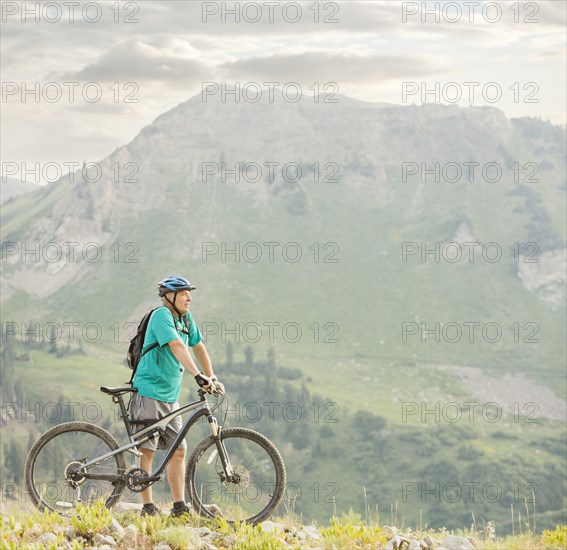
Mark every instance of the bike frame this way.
pixel 152 430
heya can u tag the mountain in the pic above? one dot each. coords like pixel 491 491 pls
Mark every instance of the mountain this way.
pixel 362 227
pixel 403 288
pixel 12 187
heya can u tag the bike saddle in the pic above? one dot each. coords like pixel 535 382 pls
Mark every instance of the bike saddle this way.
pixel 117 391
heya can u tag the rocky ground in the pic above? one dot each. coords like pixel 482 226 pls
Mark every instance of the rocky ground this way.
pixel 115 536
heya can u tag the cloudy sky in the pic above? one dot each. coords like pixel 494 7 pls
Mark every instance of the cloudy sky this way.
pixel 126 63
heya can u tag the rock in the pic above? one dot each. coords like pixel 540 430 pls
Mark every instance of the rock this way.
pixel 130 536
pixel 475 542
pixel 545 276
pixel 311 532
pixel 389 532
pixel 211 539
pixel 213 536
pixel 162 546
pixel 134 539
pixel 69 533
pixel 301 535
pixel 230 540
pixel 270 527
pixel 424 545
pixel 414 545
pixel 32 532
pixel 100 540
pixel 489 532
pixel 453 542
pixel 65 545
pixel 47 539
pixel 214 509
pixel 203 531
pixel 431 543
pixel 206 537
pixel 394 543
pixel 116 528
pixel 290 534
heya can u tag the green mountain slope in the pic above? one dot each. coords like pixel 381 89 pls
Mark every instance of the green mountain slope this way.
pixel 348 273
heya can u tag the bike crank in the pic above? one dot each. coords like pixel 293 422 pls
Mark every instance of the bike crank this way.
pixel 137 479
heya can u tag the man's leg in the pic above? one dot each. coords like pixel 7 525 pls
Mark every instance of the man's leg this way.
pixel 176 475
pixel 146 463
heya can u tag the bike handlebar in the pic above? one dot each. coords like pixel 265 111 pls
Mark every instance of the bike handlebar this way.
pixel 203 396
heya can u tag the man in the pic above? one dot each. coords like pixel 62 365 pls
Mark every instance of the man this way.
pixel 158 381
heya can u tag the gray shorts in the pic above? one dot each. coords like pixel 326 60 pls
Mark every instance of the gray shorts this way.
pixel 146 408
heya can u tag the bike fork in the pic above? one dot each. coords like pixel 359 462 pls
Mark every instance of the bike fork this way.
pixel 227 466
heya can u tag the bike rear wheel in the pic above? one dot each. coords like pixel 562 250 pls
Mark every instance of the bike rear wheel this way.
pixel 260 470
pixel 53 462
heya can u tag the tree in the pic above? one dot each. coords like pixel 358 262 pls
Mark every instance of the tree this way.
pixel 14 458
pixel 249 357
pixel 53 340
pixel 229 354
pixel 271 388
pixel 272 358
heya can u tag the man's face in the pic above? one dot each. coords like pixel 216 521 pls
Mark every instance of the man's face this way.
pixel 182 300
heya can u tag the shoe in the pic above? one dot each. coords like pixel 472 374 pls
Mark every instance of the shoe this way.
pixel 187 509
pixel 151 510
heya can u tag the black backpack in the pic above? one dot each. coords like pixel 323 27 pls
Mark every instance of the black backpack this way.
pixel 137 343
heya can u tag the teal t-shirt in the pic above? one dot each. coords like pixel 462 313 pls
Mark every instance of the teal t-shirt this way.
pixel 159 373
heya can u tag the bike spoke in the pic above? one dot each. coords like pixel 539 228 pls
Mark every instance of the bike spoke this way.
pixel 63 454
pixel 257 475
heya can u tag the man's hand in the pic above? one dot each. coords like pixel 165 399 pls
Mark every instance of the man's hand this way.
pixel 218 385
pixel 205 382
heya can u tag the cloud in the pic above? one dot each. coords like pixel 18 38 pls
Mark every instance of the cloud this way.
pixel 137 61
pixel 332 67
pixel 550 13
pixel 309 19
pixel 170 51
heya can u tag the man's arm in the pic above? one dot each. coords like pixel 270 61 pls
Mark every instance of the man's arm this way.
pixel 204 361
pixel 203 358
pixel 181 353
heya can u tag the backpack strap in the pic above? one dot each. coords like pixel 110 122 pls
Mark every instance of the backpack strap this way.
pixel 185 322
pixel 156 344
pixel 150 348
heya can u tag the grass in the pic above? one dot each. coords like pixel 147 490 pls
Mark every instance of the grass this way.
pixel 377 295
pixel 348 531
pixel 332 478
pixel 90 519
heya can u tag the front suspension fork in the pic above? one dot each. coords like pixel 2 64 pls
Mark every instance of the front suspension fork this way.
pixel 225 461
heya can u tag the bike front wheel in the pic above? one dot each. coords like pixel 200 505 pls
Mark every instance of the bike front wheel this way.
pixel 52 466
pixel 259 483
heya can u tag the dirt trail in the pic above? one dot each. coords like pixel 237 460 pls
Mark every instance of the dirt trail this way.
pixel 511 389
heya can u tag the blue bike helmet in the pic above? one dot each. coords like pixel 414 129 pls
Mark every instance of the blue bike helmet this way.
pixel 174 284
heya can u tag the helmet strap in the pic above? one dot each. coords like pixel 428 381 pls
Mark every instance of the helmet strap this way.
pixel 173 303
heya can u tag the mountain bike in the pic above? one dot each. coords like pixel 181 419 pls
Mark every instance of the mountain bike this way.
pixel 236 473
